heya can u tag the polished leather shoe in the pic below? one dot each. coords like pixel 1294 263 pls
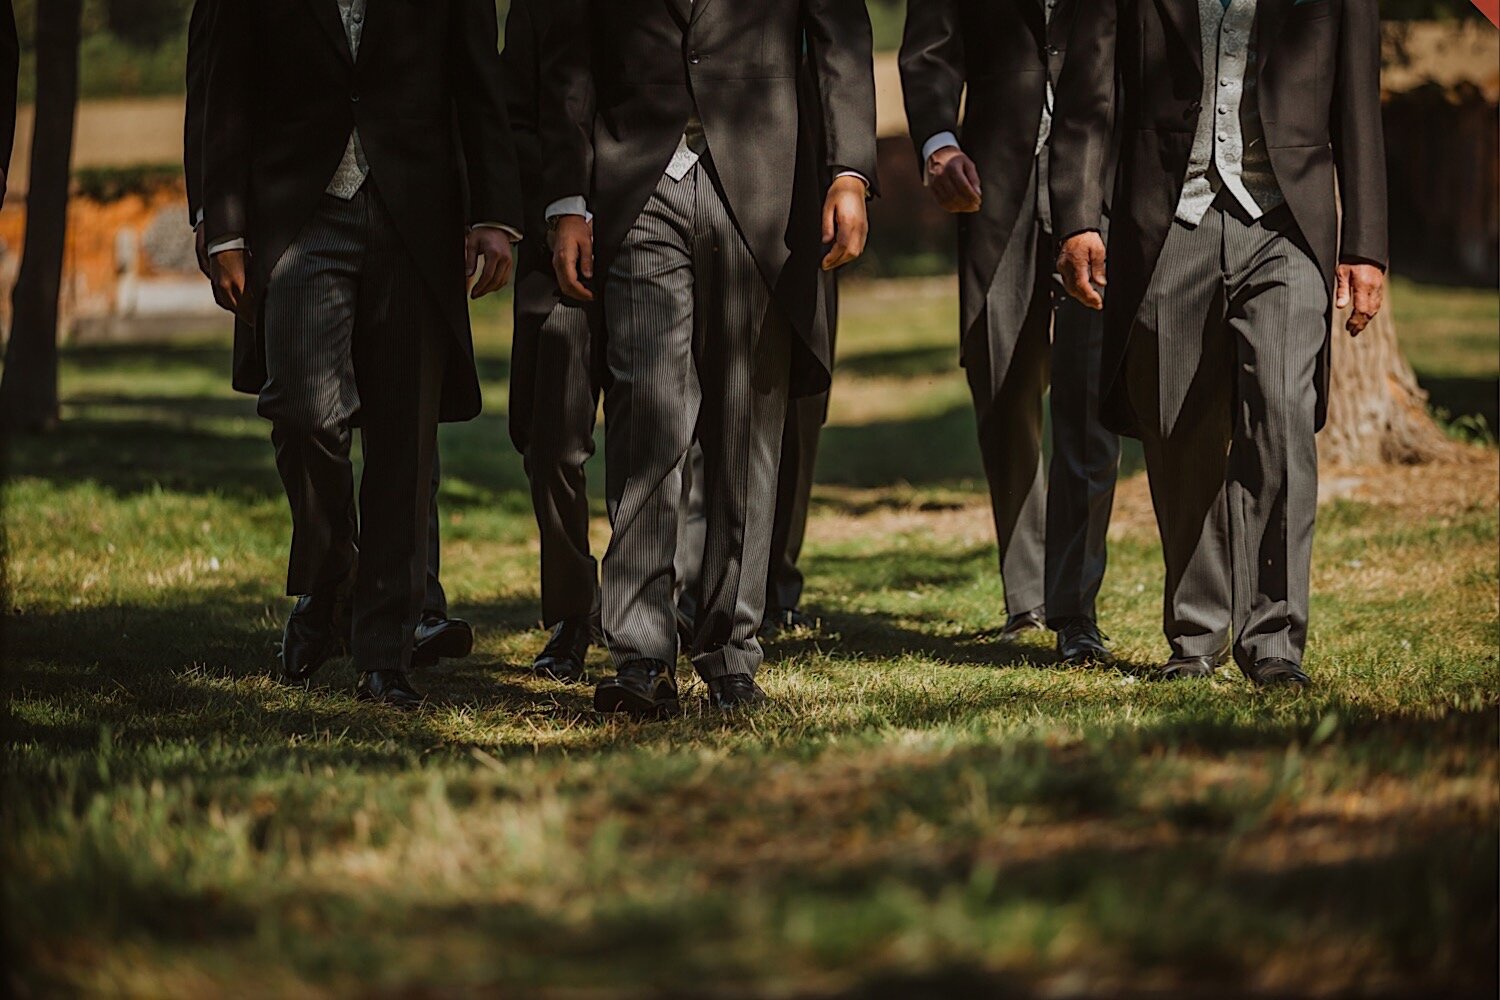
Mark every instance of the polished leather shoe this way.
pixel 735 693
pixel 316 631
pixel 779 620
pixel 642 688
pixel 1025 621
pixel 1079 642
pixel 1274 671
pixel 387 687
pixel 439 638
pixel 1186 667
pixel 563 658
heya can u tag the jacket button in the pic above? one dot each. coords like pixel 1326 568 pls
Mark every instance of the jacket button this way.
pixel 693 57
pixel 1053 50
pixel 354 98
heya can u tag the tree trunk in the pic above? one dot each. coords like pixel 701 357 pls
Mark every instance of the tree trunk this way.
pixel 1377 414
pixel 28 388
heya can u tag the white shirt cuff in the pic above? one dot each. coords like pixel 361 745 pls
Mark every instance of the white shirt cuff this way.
pixel 931 146
pixel 237 243
pixel 515 237
pixel 936 143
pixel 852 173
pixel 575 205
pixel 198 219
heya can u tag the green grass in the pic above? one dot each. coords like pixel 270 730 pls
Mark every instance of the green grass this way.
pixel 1452 338
pixel 926 811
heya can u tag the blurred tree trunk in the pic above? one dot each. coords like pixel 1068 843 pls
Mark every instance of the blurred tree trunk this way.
pixel 28 389
pixel 1377 414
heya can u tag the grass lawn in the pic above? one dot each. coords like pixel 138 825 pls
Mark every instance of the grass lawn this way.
pixel 926 811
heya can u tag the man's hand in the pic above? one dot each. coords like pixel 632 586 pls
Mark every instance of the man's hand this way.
pixel 573 256
pixel 954 180
pixel 200 247
pixel 1362 287
pixel 845 221
pixel 1081 264
pixel 494 246
pixel 227 272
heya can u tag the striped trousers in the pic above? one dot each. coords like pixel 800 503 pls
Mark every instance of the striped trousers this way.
pixel 1221 375
pixel 695 344
pixel 352 335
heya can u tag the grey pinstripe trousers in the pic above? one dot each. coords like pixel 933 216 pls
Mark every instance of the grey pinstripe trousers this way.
pixel 1220 373
pixel 695 343
pixel 351 330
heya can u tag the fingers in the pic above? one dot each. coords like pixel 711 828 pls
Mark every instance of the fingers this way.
pixel 471 254
pixel 852 231
pixel 1081 265
pixel 956 186
pixel 228 275
pixel 971 175
pixel 1075 274
pixel 830 229
pixel 1097 267
pixel 507 266
pixel 565 262
pixel 1369 296
pixel 1341 287
pixel 488 275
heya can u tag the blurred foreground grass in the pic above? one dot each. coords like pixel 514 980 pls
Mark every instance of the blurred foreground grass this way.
pixel 926 811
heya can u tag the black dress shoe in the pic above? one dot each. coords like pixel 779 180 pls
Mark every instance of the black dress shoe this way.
pixel 1079 642
pixel 779 620
pixel 562 659
pixel 1274 671
pixel 1187 667
pixel 645 689
pixel 387 687
pixel 439 638
pixel 1025 621
pixel 735 693
pixel 316 631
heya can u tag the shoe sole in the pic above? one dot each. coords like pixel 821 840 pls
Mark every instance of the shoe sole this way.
pixel 450 644
pixel 613 699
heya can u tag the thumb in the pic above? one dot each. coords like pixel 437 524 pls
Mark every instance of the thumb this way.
pixel 471 254
pixel 1097 265
pixel 1341 288
pixel 829 229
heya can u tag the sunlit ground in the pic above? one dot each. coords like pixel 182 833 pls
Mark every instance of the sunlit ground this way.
pixel 925 811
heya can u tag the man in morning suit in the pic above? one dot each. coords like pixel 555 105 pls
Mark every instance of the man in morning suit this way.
pixel 803 427
pixel 357 165
pixel 1226 252
pixel 304 645
pixel 676 123
pixel 554 378
pixel 1051 528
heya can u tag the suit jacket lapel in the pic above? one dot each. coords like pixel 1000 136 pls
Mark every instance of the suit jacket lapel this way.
pixel 681 10
pixel 698 8
pixel 1184 15
pixel 326 12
